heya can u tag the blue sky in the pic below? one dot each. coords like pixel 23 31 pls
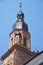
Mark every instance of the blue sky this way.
pixel 33 11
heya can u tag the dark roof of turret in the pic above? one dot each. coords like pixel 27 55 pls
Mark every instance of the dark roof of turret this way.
pixel 20 23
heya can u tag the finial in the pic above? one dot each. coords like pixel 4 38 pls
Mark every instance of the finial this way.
pixel 20 5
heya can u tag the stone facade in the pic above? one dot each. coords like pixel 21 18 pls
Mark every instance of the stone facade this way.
pixel 15 38
pixel 8 60
pixel 16 55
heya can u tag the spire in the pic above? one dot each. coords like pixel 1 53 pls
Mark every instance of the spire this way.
pixel 20 6
pixel 20 23
pixel 20 14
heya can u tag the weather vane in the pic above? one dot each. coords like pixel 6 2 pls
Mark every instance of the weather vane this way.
pixel 20 5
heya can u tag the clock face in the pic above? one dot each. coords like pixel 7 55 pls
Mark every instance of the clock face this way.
pixel 19 25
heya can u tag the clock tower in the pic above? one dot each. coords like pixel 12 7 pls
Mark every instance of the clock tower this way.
pixel 20 34
pixel 19 50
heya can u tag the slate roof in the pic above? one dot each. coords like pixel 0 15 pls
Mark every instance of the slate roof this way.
pixel 33 57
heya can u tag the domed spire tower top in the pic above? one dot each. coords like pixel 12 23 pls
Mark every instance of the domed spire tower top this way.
pixel 20 34
pixel 20 23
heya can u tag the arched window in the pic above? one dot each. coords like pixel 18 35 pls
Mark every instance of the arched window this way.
pixel 12 40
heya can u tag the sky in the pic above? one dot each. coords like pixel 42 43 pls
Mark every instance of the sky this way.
pixel 33 11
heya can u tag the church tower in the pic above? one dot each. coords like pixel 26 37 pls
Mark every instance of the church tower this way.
pixel 20 34
pixel 19 50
